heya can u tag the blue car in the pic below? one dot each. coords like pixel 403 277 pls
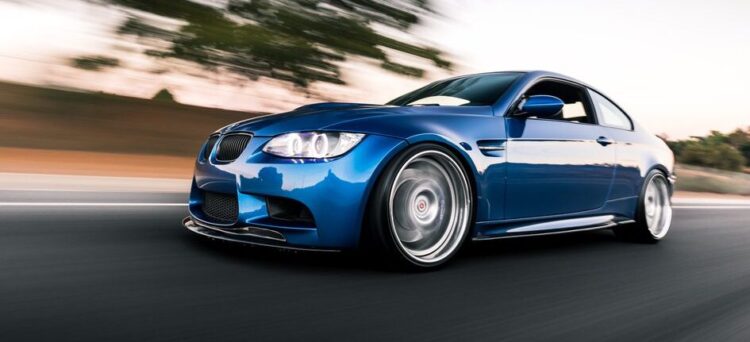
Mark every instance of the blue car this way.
pixel 478 157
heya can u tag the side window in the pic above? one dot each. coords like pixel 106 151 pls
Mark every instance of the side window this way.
pixel 577 107
pixel 609 115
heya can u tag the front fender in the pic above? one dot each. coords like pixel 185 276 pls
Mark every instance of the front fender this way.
pixel 460 133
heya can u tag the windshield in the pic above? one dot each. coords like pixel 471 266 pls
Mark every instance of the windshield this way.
pixel 475 90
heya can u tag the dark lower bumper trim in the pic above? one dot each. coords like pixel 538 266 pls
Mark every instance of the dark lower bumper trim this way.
pixel 247 235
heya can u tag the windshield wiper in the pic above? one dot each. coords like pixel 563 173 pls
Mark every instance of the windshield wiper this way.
pixel 424 105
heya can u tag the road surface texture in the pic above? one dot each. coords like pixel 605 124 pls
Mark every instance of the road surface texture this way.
pixel 95 270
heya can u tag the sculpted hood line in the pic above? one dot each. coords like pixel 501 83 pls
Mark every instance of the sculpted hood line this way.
pixel 334 114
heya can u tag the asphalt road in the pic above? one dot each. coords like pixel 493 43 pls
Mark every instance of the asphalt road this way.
pixel 105 273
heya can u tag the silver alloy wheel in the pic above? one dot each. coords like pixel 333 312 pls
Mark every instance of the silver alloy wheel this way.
pixel 657 207
pixel 429 206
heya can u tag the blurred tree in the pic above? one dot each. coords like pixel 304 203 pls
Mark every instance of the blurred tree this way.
pixel 717 150
pixel 715 137
pixel 741 140
pixel 720 156
pixel 164 95
pixel 739 137
pixel 94 63
pixel 297 41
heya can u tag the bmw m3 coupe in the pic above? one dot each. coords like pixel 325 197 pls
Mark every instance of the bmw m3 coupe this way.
pixel 478 157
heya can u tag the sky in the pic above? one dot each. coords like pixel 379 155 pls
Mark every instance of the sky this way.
pixel 677 67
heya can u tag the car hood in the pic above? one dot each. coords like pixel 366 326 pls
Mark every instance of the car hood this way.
pixel 335 115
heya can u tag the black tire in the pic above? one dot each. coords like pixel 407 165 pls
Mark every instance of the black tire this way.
pixel 640 230
pixel 382 227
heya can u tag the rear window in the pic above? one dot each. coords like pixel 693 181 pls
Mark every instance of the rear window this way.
pixel 475 90
pixel 608 113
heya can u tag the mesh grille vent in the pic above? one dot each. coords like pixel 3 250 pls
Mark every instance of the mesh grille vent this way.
pixel 210 146
pixel 221 207
pixel 231 146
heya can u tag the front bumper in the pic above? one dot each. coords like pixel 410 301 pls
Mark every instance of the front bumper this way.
pixel 248 235
pixel 334 191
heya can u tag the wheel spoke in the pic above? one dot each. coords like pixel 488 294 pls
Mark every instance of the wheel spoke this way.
pixel 657 207
pixel 429 206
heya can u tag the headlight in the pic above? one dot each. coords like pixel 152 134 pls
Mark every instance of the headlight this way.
pixel 312 144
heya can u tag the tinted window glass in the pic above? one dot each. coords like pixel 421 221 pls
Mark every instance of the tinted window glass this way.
pixel 577 107
pixel 609 115
pixel 476 90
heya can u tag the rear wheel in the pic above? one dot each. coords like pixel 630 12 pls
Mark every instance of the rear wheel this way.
pixel 654 212
pixel 421 210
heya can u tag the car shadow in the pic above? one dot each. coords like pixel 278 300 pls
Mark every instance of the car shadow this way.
pixel 499 250
pixel 273 257
pixel 546 244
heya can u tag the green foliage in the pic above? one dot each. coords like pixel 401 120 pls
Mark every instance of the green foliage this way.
pixel 94 63
pixel 164 95
pixel 717 150
pixel 716 155
pixel 297 41
pixel 745 150
pixel 741 140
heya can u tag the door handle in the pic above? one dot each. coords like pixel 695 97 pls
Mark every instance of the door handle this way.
pixel 604 141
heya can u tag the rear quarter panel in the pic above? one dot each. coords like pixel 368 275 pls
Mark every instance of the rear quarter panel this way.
pixel 638 152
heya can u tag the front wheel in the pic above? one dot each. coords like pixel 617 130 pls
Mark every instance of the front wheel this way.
pixel 421 210
pixel 654 211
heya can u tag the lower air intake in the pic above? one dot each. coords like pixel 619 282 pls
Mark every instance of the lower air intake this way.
pixel 289 210
pixel 220 207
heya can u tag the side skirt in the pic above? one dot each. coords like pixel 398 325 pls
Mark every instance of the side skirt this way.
pixel 556 227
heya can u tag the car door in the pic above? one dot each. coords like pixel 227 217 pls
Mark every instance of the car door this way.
pixel 619 127
pixel 563 165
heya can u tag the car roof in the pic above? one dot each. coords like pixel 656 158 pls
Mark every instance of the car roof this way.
pixel 530 74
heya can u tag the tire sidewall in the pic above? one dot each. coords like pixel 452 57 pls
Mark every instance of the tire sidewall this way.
pixel 642 223
pixel 378 222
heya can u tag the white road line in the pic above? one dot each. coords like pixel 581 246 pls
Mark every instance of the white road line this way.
pixel 712 207
pixel 707 201
pixel 89 204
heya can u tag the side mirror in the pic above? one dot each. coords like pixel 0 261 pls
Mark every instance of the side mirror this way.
pixel 540 106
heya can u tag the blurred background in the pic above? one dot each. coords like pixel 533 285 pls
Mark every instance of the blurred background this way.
pixel 120 94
